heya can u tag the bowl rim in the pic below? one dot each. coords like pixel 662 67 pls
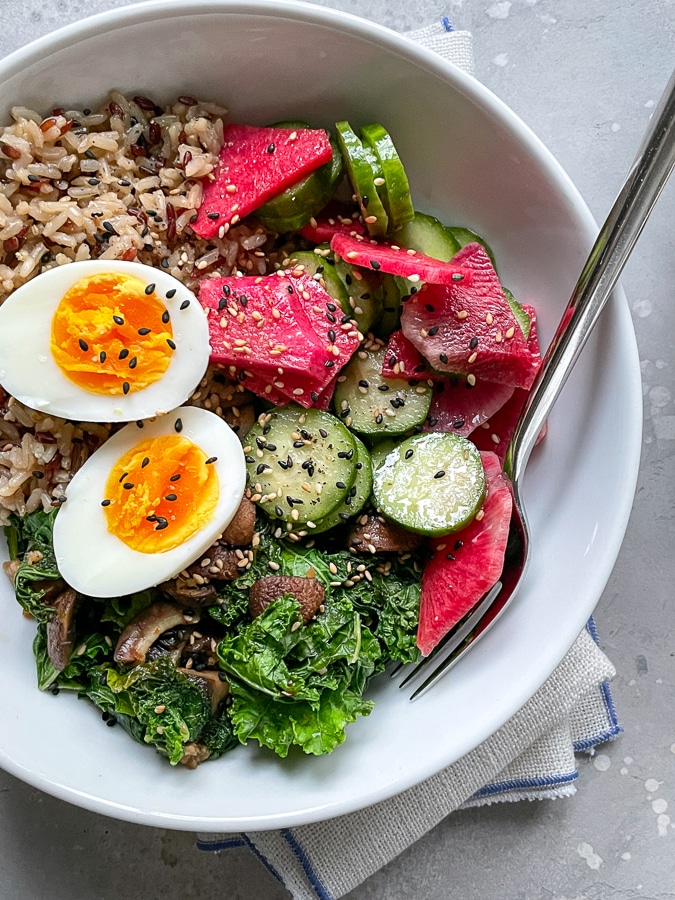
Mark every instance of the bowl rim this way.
pixel 475 91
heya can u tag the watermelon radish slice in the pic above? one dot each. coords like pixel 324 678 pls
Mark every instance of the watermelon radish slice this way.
pixel 256 164
pixel 277 334
pixel 334 219
pixel 465 564
pixel 497 431
pixel 381 256
pixel 469 328
pixel 403 360
pixel 460 408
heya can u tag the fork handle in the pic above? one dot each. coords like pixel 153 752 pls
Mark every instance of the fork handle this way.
pixel 635 201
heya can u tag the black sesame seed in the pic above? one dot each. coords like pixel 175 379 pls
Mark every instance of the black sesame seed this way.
pixel 171 293
pixel 409 453
pixel 171 344
pixel 299 444
pixel 379 419
pixel 413 290
pixel 111 722
pixel 213 215
pixel 243 299
pixel 374 264
pixel 90 154
pixel 439 474
pixel 443 358
pixel 249 459
pixel 433 330
pixel 161 525
pixel 133 362
pixel 166 317
pixel 118 320
pixel 331 318
pixel 271 447
pixel 323 432
pixel 340 485
pixel 171 497
pixel 314 396
pixel 458 423
pixel 123 354
pixel 432 421
pixel 120 480
pixel 210 460
pixel 458 545
pixel 331 307
pixel 383 387
pixel 93 181
pixel 150 289
pixel 345 412
pixel 348 279
pixel 126 387
pixel 178 425
pixel 329 363
pixel 144 331
pixel 109 227
pixel 175 477
pixel 184 304
pixel 363 383
pixel 271 148
pixel 473 343
pixel 331 336
pixel 145 462
pixel 260 468
pixel 127 485
pixel 279 511
pixel 428 307
pixel 83 345
pixel 450 556
pixel 102 356
pixel 106 502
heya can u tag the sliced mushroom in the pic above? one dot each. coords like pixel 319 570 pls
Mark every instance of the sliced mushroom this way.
pixel 61 629
pixel 376 535
pixel 188 591
pixel 309 592
pixel 217 564
pixel 142 632
pixel 240 531
pixel 240 419
pixel 211 682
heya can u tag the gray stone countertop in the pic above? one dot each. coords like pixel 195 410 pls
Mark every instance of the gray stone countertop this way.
pixel 584 74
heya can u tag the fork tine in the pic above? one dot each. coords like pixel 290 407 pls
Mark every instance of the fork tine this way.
pixel 456 637
pixel 469 631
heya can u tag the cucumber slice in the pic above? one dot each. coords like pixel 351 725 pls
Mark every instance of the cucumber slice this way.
pixel 364 302
pixel 431 484
pixel 521 315
pixel 315 264
pixel 361 176
pixel 358 494
pixel 377 405
pixel 427 235
pixel 305 198
pixel 465 236
pixel 291 447
pixel 395 191
pixel 380 451
pixel 390 319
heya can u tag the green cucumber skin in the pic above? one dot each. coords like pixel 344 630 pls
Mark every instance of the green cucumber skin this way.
pixel 370 408
pixel 409 489
pixel 361 176
pixel 332 459
pixel 395 192
pixel 365 311
pixel 520 314
pixel 465 236
pixel 427 235
pixel 362 490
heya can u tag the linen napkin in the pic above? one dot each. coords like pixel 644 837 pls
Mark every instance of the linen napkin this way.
pixel 531 757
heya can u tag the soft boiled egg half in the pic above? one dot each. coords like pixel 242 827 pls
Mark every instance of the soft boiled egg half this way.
pixel 102 341
pixel 148 502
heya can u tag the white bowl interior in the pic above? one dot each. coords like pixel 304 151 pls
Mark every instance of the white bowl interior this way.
pixel 470 161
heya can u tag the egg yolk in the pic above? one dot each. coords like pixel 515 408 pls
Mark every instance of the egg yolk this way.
pixel 160 493
pixel 111 334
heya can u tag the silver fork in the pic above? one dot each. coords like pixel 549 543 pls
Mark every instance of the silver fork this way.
pixel 632 207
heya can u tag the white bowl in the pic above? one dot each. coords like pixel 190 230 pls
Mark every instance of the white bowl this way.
pixel 470 161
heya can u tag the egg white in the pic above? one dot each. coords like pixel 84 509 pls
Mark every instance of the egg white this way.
pixel 94 561
pixel 29 372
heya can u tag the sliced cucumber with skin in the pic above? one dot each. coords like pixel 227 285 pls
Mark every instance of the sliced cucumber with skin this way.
pixel 520 314
pixel 429 236
pixel 395 191
pixel 431 484
pixel 305 198
pixel 315 264
pixel 364 301
pixel 465 236
pixel 307 455
pixel 357 496
pixel 377 405
pixel 390 318
pixel 360 172
pixel 380 451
